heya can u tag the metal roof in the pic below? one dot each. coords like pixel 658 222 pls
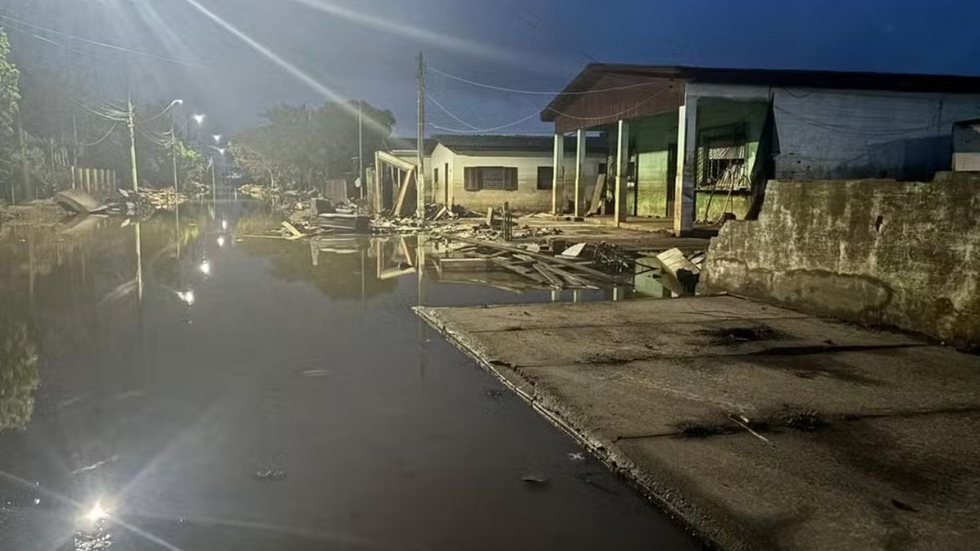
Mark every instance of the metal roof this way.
pixel 901 82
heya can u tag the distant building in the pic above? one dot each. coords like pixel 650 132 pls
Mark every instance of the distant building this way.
pixel 485 171
pixel 691 143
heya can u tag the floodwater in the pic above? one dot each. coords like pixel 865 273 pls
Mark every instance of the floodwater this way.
pixel 173 385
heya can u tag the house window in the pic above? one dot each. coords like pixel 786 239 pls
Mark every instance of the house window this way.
pixel 721 158
pixel 603 168
pixel 501 178
pixel 546 177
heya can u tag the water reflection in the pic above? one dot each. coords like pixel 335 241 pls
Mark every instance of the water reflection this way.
pixel 18 373
pixel 294 356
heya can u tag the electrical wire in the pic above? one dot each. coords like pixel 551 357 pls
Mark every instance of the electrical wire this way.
pixel 103 138
pixel 845 129
pixel 539 92
pixel 114 115
pixel 100 44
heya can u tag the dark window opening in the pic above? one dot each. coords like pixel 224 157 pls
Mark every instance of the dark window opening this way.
pixel 546 177
pixel 501 178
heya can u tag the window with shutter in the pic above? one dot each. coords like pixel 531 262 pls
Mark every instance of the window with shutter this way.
pixel 501 178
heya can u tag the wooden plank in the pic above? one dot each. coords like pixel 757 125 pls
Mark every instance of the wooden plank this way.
pixel 597 194
pixel 595 274
pixel 552 280
pixel 466 265
pixel 401 203
pixel 520 270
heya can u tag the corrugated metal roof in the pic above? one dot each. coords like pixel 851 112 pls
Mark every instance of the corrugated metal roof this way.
pixel 517 143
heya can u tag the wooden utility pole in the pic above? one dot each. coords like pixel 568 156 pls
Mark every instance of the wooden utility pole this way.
pixel 360 146
pixel 420 159
pixel 132 146
pixel 25 165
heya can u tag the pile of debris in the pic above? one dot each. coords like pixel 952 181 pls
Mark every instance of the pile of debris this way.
pixel 254 191
pixel 573 268
pixel 162 199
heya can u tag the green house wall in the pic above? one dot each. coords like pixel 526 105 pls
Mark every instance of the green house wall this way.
pixel 652 138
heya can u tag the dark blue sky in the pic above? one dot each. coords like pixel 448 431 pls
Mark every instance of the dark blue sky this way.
pixel 366 48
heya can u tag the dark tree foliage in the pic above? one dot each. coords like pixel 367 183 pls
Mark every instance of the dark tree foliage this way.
pixel 300 147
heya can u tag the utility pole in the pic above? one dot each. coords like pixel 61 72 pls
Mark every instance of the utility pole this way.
pixel 173 152
pixel 132 145
pixel 420 172
pixel 75 151
pixel 360 145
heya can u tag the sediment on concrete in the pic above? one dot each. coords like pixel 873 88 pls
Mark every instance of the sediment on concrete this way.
pixel 880 252
pixel 755 426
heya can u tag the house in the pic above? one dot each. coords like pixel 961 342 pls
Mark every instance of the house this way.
pixel 693 144
pixel 484 171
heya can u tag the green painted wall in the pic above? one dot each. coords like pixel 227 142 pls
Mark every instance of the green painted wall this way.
pixel 714 113
pixel 652 137
pixel 651 140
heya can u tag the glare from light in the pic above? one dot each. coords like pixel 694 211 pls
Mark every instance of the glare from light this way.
pixel 224 225
pixel 217 138
pixel 199 119
pixel 221 241
pixel 178 102
pixel 293 70
pixel 96 514
pixel 205 268
pixel 187 297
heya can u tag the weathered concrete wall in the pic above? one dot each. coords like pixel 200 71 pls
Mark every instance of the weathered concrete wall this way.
pixel 905 254
pixel 838 134
pixel 527 197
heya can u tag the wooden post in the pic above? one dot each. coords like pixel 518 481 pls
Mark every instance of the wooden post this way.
pixel 420 154
pixel 622 169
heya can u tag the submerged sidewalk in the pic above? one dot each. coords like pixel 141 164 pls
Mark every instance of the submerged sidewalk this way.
pixel 758 427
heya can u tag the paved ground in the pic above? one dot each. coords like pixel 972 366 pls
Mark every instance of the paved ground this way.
pixel 759 427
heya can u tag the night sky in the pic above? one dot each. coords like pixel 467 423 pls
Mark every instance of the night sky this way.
pixel 366 48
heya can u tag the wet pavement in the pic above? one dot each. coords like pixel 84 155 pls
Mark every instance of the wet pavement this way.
pixel 202 392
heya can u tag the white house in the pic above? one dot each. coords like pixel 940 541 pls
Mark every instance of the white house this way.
pixel 477 172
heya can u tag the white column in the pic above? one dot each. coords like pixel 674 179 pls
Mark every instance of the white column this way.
pixel 558 176
pixel 684 187
pixel 579 165
pixel 622 168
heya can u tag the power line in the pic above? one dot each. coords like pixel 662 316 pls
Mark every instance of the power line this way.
pixel 97 43
pixel 472 128
pixel 103 138
pixel 540 92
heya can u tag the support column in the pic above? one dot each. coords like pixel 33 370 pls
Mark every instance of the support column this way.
pixel 622 169
pixel 558 175
pixel 684 187
pixel 579 164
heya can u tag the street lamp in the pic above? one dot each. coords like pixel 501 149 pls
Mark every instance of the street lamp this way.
pixel 217 138
pixel 199 119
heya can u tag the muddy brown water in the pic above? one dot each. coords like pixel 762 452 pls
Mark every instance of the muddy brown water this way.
pixel 213 393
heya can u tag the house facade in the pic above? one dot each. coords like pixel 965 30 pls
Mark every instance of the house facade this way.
pixel 695 144
pixel 478 172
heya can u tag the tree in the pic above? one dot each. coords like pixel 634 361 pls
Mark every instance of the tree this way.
pixel 9 114
pixel 301 147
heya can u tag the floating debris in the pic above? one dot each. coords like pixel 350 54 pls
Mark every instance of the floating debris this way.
pixel 271 475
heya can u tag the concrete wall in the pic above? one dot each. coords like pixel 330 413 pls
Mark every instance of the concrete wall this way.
pixel 526 197
pixel 905 254
pixel 652 140
pixel 838 134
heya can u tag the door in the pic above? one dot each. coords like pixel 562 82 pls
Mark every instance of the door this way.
pixel 445 187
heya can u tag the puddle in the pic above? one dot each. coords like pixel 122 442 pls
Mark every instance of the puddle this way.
pixel 202 381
